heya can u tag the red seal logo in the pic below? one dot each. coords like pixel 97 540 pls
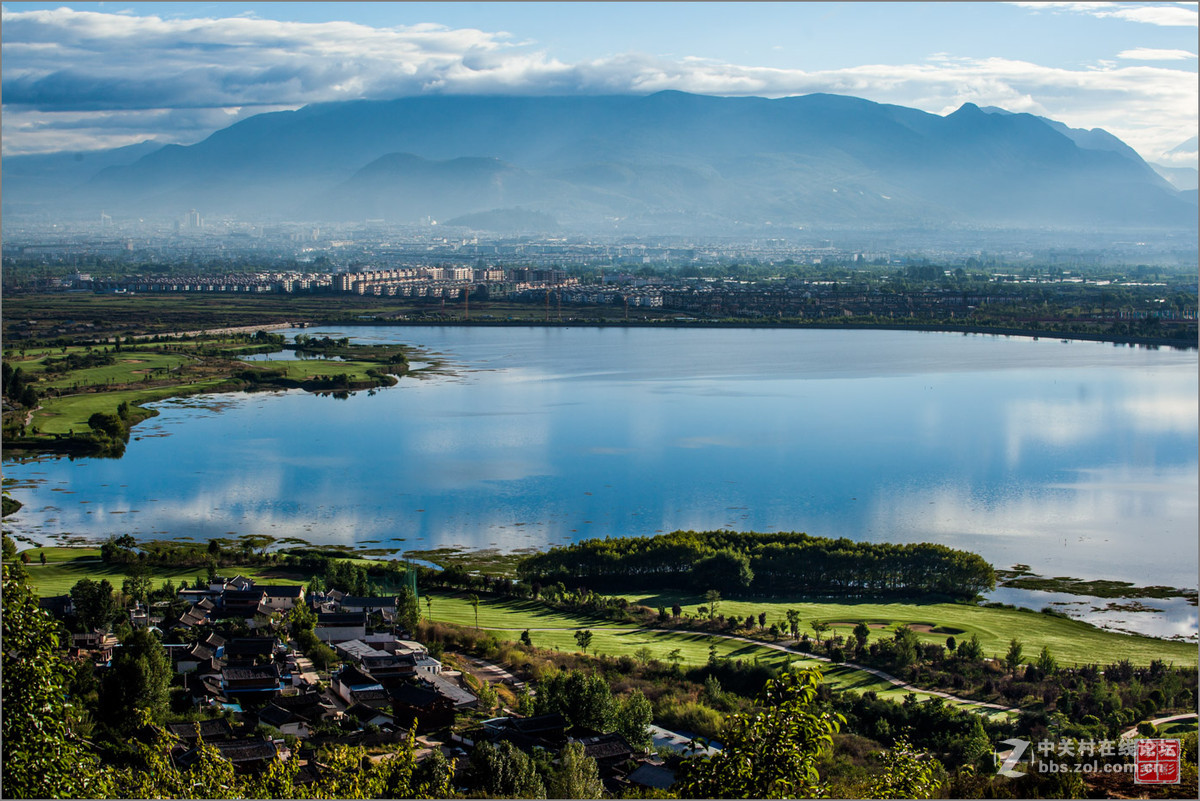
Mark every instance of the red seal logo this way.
pixel 1156 762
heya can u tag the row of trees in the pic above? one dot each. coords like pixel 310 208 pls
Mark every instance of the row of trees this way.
pixel 751 563
pixel 17 387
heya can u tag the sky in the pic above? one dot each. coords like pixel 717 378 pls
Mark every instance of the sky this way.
pixel 86 76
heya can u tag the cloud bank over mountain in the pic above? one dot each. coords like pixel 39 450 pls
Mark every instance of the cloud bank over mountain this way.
pixel 80 80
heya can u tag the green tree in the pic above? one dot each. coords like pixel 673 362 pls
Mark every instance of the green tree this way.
pixel 584 638
pixel 301 618
pixel 138 681
pixel 793 620
pixel 42 756
pixel 905 775
pixel 769 753
pixel 408 613
pixel 634 716
pixel 488 697
pixel 526 640
pixel 819 627
pixel 95 606
pixel 1012 660
pixel 971 649
pixel 861 632
pixel 582 698
pixel 906 646
pixel 644 655
pixel 575 776
pixel 108 425
pixel 503 771
pixel 474 599
pixel 725 569
pixel 138 586
pixel 1045 662
pixel 713 599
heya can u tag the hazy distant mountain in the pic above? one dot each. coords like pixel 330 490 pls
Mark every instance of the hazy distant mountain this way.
pixel 44 178
pixel 1190 146
pixel 671 160
pixel 1182 178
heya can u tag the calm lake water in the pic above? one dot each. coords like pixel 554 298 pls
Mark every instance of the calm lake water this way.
pixel 1076 458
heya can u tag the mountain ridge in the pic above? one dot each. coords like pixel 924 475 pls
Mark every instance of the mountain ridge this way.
pixel 587 161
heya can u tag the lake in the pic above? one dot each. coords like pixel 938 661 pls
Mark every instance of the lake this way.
pixel 1078 459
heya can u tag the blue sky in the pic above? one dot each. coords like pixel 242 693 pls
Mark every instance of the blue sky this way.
pixel 89 75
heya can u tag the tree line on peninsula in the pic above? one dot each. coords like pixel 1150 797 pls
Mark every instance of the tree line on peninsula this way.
pixel 764 564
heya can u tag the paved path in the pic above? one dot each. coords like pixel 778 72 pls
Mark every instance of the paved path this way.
pixel 307 671
pixel 1125 735
pixel 890 679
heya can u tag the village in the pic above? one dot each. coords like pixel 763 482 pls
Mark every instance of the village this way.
pixel 255 696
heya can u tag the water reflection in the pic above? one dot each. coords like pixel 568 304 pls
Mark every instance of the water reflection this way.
pixel 1075 459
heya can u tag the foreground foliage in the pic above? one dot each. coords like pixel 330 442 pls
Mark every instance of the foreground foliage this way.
pixel 771 753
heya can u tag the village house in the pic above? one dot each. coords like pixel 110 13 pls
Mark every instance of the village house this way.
pixel 211 730
pixel 335 627
pixel 282 597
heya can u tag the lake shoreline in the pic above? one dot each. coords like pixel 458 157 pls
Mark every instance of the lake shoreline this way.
pixel 1151 342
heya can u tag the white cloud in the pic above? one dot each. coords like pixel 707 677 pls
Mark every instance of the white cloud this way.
pixel 80 80
pixel 1175 15
pixel 1152 54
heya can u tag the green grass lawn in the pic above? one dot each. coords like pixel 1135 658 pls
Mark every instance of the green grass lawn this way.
pixel 506 619
pixel 302 370
pixel 129 367
pixel 66 566
pixel 1070 641
pixel 71 412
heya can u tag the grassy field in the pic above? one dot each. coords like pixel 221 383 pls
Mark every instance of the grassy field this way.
pixel 128 368
pixel 507 619
pixel 1070 641
pixel 303 370
pixel 151 371
pixel 66 566
pixel 71 412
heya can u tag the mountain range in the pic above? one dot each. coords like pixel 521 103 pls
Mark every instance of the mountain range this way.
pixel 667 162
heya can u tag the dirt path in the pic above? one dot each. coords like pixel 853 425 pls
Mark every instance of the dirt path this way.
pixel 491 672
